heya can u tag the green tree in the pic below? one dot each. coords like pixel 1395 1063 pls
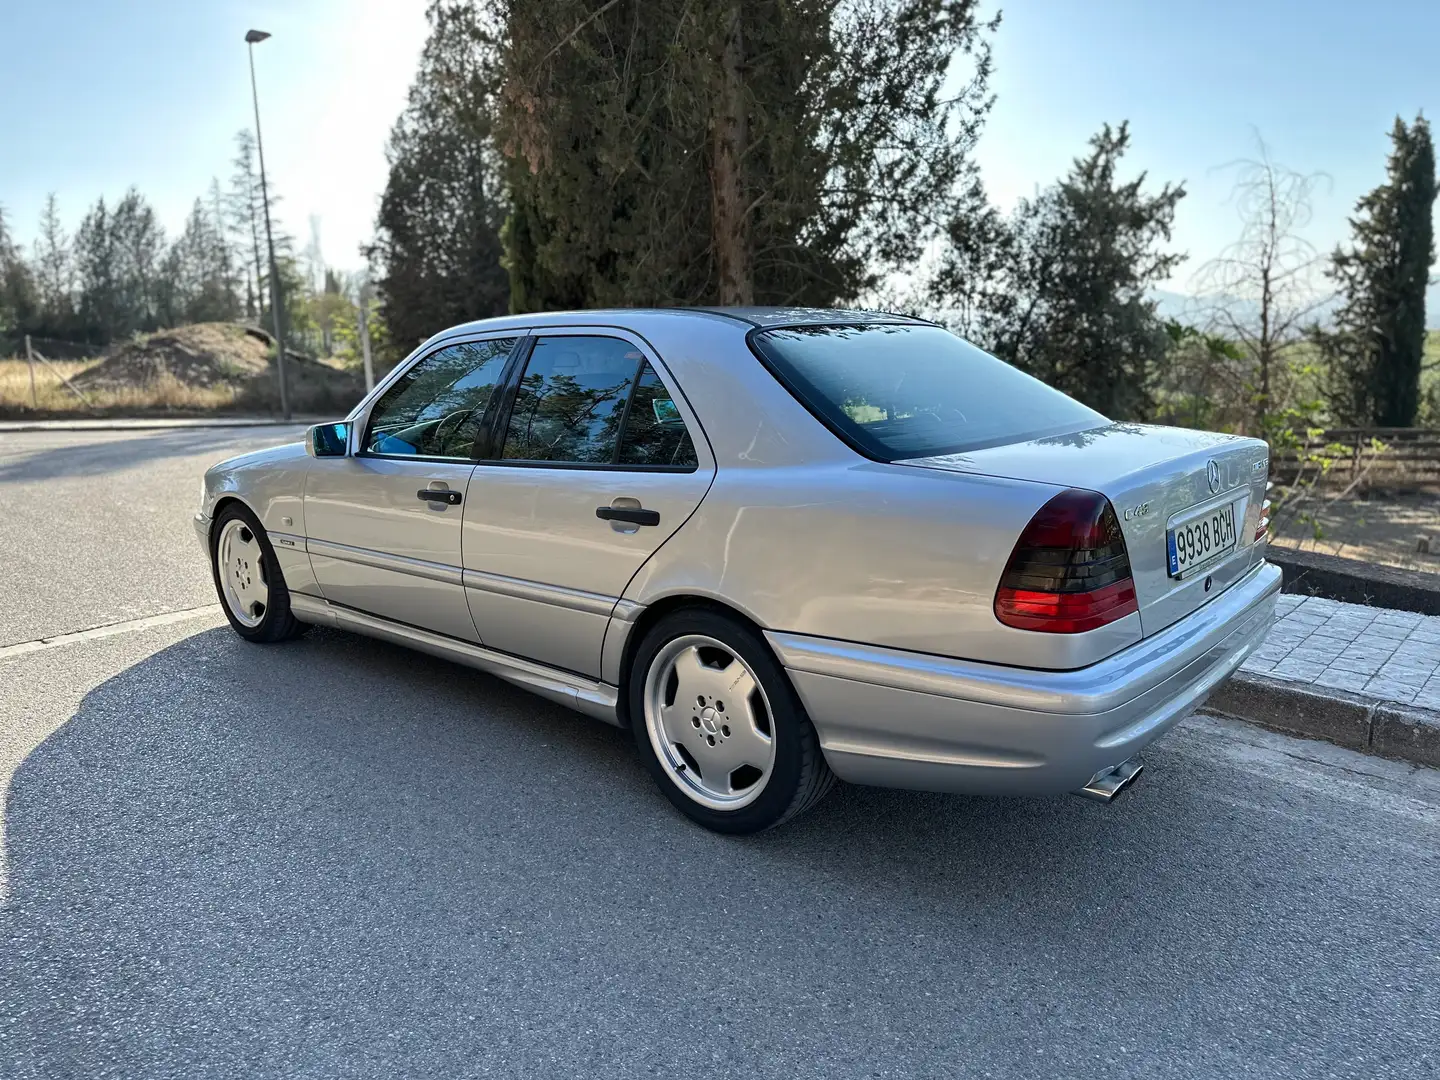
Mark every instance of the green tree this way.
pixel 197 283
pixel 1374 353
pixel 1061 288
pixel 121 267
pixel 672 153
pixel 18 300
pixel 54 273
pixel 437 245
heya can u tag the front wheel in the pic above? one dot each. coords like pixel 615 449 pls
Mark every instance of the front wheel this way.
pixel 248 580
pixel 720 726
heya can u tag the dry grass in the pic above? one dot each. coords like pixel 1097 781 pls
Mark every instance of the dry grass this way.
pixel 190 370
pixel 163 393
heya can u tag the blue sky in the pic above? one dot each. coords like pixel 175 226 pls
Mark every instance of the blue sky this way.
pixel 102 95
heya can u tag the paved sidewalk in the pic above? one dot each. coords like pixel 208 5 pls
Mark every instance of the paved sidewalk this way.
pixel 1374 652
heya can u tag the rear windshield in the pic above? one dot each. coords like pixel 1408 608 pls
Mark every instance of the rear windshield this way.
pixel 897 392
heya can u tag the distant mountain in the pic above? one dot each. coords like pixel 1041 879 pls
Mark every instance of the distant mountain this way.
pixel 1191 309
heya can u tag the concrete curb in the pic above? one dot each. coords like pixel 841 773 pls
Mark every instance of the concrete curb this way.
pixel 1383 728
pixel 155 424
pixel 1309 573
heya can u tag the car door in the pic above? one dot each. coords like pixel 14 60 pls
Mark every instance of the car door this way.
pixel 600 462
pixel 383 524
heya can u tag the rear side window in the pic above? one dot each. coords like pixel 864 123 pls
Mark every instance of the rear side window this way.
pixel 654 432
pixel 905 391
pixel 571 400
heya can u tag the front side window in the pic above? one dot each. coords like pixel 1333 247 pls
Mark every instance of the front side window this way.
pixel 908 391
pixel 435 409
pixel 571 401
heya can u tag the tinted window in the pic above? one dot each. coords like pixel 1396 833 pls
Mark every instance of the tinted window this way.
pixel 435 408
pixel 911 391
pixel 571 400
pixel 654 432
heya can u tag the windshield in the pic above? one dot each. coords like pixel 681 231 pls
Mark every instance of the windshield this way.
pixel 907 391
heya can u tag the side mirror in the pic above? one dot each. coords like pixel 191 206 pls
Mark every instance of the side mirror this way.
pixel 328 440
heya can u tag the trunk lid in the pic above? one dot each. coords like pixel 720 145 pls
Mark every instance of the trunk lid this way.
pixel 1152 477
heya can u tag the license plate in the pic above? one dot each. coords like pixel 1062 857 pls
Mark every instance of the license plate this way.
pixel 1198 539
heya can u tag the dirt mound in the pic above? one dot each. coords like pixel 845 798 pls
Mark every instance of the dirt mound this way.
pixel 218 366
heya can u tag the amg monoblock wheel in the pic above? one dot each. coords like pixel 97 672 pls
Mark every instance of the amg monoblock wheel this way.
pixel 248 579
pixel 720 726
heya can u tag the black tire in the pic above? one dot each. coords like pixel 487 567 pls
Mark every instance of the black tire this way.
pixel 799 777
pixel 278 623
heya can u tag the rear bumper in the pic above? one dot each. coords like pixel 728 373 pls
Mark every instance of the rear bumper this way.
pixel 202 533
pixel 903 719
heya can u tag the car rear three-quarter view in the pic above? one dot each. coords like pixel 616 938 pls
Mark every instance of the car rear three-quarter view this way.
pixel 778 545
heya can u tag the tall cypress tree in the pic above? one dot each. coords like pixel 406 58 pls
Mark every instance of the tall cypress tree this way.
pixel 663 152
pixel 1373 354
pixel 437 245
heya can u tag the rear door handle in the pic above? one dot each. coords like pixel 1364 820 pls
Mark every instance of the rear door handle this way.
pixel 450 498
pixel 625 513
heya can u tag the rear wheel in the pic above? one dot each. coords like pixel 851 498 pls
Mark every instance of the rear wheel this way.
pixel 248 580
pixel 720 726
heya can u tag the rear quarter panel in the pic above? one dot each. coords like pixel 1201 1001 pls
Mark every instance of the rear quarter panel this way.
pixel 866 552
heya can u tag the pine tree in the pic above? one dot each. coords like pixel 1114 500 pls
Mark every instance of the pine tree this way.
pixel 54 273
pixel 245 209
pixel 671 153
pixel 437 245
pixel 1061 289
pixel 122 268
pixel 1374 352
pixel 96 273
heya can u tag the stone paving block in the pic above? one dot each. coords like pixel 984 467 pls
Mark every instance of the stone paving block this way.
pixel 1407 674
pixel 1384 630
pixel 1389 691
pixel 1408 618
pixel 1295 671
pixel 1356 664
pixel 1338 679
pixel 1271 652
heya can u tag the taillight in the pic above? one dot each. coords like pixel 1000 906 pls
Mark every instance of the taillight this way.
pixel 1069 571
pixel 1263 525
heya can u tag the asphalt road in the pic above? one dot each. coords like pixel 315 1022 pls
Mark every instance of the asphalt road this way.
pixel 334 858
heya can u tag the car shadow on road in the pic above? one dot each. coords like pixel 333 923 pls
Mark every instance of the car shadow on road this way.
pixel 337 856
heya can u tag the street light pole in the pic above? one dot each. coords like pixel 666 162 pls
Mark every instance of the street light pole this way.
pixel 251 37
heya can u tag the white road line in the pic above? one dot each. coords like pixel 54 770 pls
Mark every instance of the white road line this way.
pixel 110 630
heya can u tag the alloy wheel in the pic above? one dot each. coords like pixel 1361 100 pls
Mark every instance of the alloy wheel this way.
pixel 709 722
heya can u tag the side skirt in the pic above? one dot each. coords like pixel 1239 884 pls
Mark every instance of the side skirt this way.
pixel 597 699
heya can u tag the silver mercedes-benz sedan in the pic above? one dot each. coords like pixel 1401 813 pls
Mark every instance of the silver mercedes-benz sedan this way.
pixel 779 545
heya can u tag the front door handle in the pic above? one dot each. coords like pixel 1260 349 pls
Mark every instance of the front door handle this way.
pixel 634 516
pixel 442 495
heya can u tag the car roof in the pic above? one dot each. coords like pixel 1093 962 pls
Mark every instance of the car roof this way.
pixel 755 317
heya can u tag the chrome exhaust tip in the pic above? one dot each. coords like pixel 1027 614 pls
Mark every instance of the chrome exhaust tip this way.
pixel 1108 783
